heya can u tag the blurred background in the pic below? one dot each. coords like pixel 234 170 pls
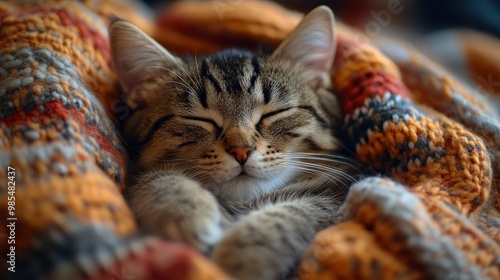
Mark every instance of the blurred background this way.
pixel 444 30
pixel 417 16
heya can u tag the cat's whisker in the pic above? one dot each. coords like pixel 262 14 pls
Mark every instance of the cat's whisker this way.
pixel 336 171
pixel 336 159
pixel 328 155
pixel 196 82
pixel 183 69
pixel 184 86
pixel 186 72
pixel 178 90
pixel 340 160
pixel 325 155
pixel 280 81
pixel 174 73
pixel 275 69
pixel 299 166
pixel 281 180
pixel 308 171
pixel 188 170
pixel 201 175
pixel 199 80
pixel 324 169
pixel 313 158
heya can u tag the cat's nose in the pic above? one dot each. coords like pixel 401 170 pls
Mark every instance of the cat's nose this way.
pixel 241 153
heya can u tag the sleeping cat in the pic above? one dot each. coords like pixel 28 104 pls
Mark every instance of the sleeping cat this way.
pixel 235 152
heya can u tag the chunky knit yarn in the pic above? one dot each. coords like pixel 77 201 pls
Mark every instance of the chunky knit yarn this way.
pixel 427 225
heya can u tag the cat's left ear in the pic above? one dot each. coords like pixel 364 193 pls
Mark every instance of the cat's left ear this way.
pixel 312 43
pixel 137 57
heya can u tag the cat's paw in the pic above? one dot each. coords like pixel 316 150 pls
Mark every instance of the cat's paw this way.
pixel 267 243
pixel 177 208
pixel 244 261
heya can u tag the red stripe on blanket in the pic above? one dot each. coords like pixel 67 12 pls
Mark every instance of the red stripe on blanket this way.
pixel 367 85
pixel 57 111
pixel 100 43
pixel 162 261
pixel 343 46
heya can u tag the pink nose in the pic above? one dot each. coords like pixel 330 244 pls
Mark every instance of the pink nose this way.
pixel 241 153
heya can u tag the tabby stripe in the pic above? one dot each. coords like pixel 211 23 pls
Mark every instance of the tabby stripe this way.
pixel 205 73
pixel 293 134
pixel 256 73
pixel 202 95
pixel 316 115
pixel 267 93
pixel 236 87
pixel 312 144
pixel 155 128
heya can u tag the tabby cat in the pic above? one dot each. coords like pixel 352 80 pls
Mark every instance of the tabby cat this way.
pixel 235 151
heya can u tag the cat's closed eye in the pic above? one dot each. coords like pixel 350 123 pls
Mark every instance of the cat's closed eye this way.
pixel 204 122
pixel 268 118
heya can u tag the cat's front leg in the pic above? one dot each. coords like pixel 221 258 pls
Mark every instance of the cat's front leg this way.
pixel 177 208
pixel 268 242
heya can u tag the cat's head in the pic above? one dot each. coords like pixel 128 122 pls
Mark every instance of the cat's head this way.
pixel 236 121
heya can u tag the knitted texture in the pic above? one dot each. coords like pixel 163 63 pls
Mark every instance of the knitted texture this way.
pixel 424 226
pixel 64 155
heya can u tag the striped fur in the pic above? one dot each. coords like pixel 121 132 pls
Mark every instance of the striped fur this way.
pixel 261 206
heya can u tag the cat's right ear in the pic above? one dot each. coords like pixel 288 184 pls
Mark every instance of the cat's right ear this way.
pixel 136 57
pixel 311 44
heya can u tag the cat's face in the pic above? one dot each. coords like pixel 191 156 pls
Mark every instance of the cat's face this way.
pixel 237 122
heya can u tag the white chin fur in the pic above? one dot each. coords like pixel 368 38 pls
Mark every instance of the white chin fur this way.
pixel 246 187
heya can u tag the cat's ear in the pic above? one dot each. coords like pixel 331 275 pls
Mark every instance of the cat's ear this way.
pixel 312 43
pixel 136 57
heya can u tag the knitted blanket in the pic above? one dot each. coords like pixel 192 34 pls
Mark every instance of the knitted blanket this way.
pixel 432 213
